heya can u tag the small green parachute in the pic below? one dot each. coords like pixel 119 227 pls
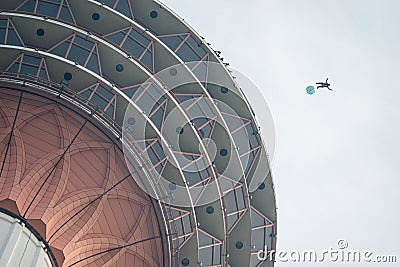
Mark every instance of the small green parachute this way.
pixel 310 90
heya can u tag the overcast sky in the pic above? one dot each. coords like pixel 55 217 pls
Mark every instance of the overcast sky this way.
pixel 336 165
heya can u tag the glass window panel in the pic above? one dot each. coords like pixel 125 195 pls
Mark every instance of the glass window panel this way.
pixel 157 118
pixel 256 219
pixel 231 220
pixel 109 3
pixel 230 202
pixel 152 156
pixel 159 150
pixel 268 236
pixel 130 92
pixel 206 107
pixel 172 41
pixel 181 240
pixel 195 45
pixel 191 177
pixel 93 64
pixel 205 132
pixel 100 102
pixel 176 244
pixel 87 93
pixel 61 50
pixel 201 71
pixel 116 38
pixel 174 213
pixel 258 239
pixel 217 255
pixel 184 98
pixel 3 23
pixel 159 168
pixel 14 68
pixel 43 74
pixel 232 122
pixel 250 161
pixel 28 6
pixel 110 111
pixel 78 54
pixel 205 256
pixel 2 35
pixel 252 135
pixel 47 9
pixel 32 60
pixel 140 38
pixel 186 224
pixel 204 239
pixel 240 198
pixel 147 60
pixel 65 15
pixel 29 69
pixel 133 47
pixel 187 54
pixel 12 38
pixel 199 122
pixel 145 102
pixel 179 227
pixel 123 8
pixel 84 43
pixel 104 92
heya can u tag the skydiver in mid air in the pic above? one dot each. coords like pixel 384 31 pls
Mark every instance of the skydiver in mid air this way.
pixel 324 84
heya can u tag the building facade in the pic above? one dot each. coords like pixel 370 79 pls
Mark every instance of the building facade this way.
pixel 125 141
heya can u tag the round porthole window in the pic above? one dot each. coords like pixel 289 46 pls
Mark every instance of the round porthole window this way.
pixel 223 152
pixel 131 121
pixel 40 32
pixel 261 186
pixel 154 14
pixel 67 76
pixel 95 16
pixel 119 67
pixel 224 90
pixel 210 210
pixel 239 245
pixel 185 261
pixel 172 186
pixel 173 71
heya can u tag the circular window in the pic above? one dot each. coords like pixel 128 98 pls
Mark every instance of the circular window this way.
pixel 172 186
pixel 224 90
pixel 261 186
pixel 154 14
pixel 40 32
pixel 185 261
pixel 173 71
pixel 179 130
pixel 95 16
pixel 223 152
pixel 119 67
pixel 131 121
pixel 210 210
pixel 239 245
pixel 67 76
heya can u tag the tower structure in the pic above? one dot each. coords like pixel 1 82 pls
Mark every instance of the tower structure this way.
pixel 125 141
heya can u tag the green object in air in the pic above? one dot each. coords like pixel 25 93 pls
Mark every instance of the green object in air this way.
pixel 310 90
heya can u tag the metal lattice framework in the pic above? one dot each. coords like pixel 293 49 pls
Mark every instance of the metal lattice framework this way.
pixel 108 53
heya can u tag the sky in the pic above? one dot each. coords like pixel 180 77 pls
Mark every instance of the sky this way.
pixel 336 164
